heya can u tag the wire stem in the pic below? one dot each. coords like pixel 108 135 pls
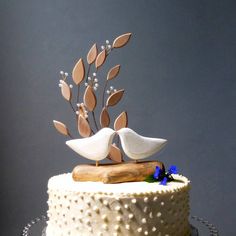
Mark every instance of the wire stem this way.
pixel 72 106
pixel 94 119
pixel 103 95
pixel 88 71
pixel 70 136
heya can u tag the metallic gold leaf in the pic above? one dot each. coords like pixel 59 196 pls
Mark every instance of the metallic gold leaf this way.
pixel 100 59
pixel 83 127
pixel 92 54
pixel 115 153
pixel 121 121
pixel 104 118
pixel 65 90
pixel 121 41
pixel 113 72
pixel 115 97
pixel 78 72
pixel 61 128
pixel 90 100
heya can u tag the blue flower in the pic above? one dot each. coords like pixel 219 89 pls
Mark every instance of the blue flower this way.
pixel 173 170
pixel 157 173
pixel 164 181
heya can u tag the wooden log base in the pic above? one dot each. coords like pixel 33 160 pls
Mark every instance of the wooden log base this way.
pixel 116 173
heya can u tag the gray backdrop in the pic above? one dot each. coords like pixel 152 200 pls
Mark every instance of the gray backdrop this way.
pixel 179 74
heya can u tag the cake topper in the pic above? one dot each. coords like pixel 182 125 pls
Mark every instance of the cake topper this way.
pixel 99 140
pixel 87 102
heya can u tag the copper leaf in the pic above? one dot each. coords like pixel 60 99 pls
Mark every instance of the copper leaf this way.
pixel 92 54
pixel 100 59
pixel 61 128
pixel 90 100
pixel 121 41
pixel 78 72
pixel 83 127
pixel 104 118
pixel 115 97
pixel 121 121
pixel 113 72
pixel 115 153
pixel 65 90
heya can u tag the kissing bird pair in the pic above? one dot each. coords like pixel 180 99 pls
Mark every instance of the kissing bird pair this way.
pixel 135 146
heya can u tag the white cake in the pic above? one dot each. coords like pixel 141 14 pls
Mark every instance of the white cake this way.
pixel 112 199
pixel 124 209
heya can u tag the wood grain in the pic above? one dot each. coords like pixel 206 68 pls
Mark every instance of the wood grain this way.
pixel 90 99
pixel 83 127
pixel 92 54
pixel 65 91
pixel 115 153
pixel 115 97
pixel 100 58
pixel 115 173
pixel 78 72
pixel 60 127
pixel 121 41
pixel 104 118
pixel 113 72
pixel 121 121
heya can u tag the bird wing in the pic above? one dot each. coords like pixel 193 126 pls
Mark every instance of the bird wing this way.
pixel 94 148
pixel 137 146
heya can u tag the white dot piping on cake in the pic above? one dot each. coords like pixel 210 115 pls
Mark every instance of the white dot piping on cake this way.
pixel 158 214
pixel 96 209
pixel 145 199
pixel 133 200
pixel 155 199
pixel 150 215
pixel 139 230
pixel 131 216
pixel 87 222
pixel 117 208
pixel 104 217
pixel 144 221
pixel 105 226
pixel 105 202
pixel 127 227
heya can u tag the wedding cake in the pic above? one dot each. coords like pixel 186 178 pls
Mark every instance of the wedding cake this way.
pixel 118 198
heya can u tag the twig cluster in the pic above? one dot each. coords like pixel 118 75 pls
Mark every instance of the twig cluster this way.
pixel 85 110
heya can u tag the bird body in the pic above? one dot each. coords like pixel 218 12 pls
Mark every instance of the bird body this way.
pixel 138 147
pixel 96 147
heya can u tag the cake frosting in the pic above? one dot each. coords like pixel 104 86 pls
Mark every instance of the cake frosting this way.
pixel 125 209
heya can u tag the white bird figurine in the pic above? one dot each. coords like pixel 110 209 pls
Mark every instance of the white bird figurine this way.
pixel 138 147
pixel 96 147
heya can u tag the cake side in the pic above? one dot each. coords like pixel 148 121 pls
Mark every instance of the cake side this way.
pixel 125 209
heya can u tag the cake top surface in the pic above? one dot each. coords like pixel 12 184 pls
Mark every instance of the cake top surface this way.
pixel 65 182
